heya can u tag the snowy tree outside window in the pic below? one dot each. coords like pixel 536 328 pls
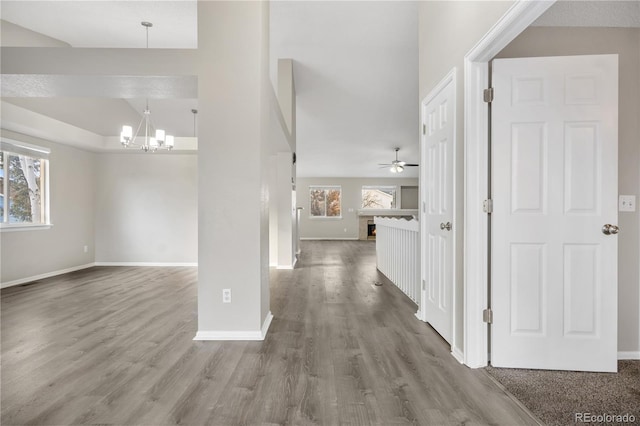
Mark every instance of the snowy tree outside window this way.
pixel 378 197
pixel 23 198
pixel 326 201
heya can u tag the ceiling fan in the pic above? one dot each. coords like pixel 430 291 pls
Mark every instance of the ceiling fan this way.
pixel 397 166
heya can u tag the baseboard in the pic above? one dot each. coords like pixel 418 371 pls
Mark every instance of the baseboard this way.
pixel 419 315
pixel 457 354
pixel 45 275
pixel 146 264
pixel 329 239
pixel 293 266
pixel 237 335
pixel 629 355
pixel 266 324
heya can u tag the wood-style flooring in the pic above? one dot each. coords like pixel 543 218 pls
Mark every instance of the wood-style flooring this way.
pixel 113 345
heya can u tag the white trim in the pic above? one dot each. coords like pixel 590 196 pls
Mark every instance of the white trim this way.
pixel 237 335
pixel 5 227
pixel 45 275
pixel 629 355
pixel 392 222
pixel 285 267
pixel 292 266
pixel 146 263
pixel 475 269
pixel 457 354
pixel 266 324
pixel 330 239
pixel 476 238
pixel 14 146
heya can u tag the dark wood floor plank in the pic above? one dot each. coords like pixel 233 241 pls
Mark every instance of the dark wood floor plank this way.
pixel 113 345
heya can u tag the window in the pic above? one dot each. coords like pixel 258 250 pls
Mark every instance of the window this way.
pixel 378 197
pixel 24 198
pixel 326 201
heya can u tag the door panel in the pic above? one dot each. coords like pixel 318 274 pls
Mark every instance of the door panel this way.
pixel 554 185
pixel 438 200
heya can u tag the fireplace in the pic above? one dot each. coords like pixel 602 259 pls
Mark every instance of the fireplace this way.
pixel 371 230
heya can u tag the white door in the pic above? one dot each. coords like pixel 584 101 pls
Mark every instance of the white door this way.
pixel 555 185
pixel 437 218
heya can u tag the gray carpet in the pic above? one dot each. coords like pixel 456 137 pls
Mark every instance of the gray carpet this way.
pixel 555 396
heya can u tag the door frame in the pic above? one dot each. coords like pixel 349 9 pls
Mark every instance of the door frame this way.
pixel 450 78
pixel 476 173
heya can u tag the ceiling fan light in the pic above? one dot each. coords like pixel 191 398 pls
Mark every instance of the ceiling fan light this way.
pixel 396 168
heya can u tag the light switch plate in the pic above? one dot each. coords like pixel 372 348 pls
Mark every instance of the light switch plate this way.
pixel 627 203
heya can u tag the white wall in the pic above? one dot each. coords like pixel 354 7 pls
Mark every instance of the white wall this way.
pixel 72 180
pixel 233 223
pixel 17 36
pixel 351 202
pixel 553 41
pixel 146 208
pixel 410 197
pixel 447 31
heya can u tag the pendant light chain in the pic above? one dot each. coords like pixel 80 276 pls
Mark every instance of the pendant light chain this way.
pixel 150 143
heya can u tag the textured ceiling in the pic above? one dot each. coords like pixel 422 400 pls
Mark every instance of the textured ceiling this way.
pixel 580 13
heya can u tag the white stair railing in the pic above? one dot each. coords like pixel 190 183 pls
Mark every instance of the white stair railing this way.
pixel 398 254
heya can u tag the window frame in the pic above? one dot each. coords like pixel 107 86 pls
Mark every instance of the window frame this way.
pixel 325 188
pixel 10 147
pixel 395 196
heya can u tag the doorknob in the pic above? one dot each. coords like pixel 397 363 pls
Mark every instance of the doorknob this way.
pixel 609 229
pixel 446 226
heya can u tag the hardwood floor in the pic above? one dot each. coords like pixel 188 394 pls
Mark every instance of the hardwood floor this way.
pixel 112 345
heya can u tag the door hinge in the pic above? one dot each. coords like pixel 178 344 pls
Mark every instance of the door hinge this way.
pixel 488 95
pixel 487 316
pixel 487 206
pixel 424 207
pixel 424 129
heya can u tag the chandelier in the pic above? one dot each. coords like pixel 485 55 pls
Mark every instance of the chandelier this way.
pixel 149 143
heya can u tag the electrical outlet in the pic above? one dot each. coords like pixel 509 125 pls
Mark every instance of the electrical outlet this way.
pixel 86 249
pixel 627 203
pixel 226 295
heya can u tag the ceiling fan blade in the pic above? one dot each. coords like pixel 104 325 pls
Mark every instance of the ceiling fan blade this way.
pixel 411 165
pixel 385 165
